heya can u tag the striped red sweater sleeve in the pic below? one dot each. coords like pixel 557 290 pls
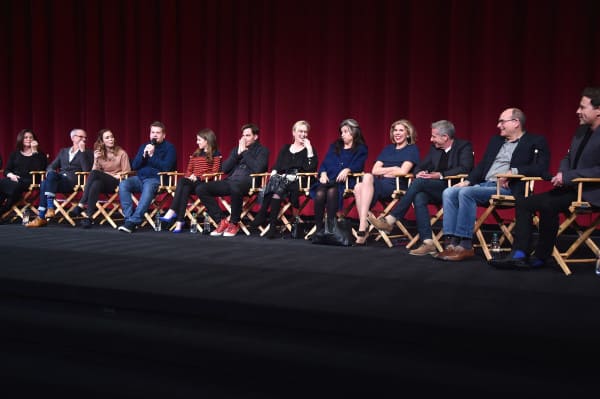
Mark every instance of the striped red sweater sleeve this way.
pixel 198 166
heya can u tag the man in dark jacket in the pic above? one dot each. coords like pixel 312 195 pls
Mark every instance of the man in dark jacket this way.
pixel 513 151
pixel 247 158
pixel 447 156
pixel 60 175
pixel 582 160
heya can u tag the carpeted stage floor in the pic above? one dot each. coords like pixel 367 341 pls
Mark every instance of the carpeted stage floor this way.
pixel 100 313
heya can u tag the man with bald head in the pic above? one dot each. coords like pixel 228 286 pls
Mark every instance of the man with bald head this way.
pixel 512 151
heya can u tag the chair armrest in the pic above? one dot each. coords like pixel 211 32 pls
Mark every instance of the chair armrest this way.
pixel 580 183
pixel 258 180
pixel 450 179
pixel 81 178
pixel 212 176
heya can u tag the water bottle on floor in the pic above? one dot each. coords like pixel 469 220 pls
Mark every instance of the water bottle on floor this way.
pixel 25 217
pixel 157 222
pixel 495 246
pixel 194 224
pixel 598 267
pixel 206 226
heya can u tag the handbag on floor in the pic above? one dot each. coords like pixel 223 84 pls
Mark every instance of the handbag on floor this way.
pixel 337 233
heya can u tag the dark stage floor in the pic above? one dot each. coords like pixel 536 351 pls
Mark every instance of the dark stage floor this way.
pixel 105 314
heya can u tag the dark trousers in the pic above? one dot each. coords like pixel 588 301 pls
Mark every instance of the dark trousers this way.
pixel 97 182
pixel 182 192
pixel 11 192
pixel 54 183
pixel 235 189
pixel 548 205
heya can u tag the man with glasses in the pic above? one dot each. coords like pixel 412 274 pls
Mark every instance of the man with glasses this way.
pixel 513 151
pixel 154 156
pixel 60 175
pixel 582 160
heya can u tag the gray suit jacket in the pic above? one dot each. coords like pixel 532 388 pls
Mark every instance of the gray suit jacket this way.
pixel 82 162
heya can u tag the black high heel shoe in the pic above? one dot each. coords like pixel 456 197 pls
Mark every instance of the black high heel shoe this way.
pixel 361 239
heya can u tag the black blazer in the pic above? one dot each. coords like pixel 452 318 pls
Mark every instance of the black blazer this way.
pixel 460 159
pixel 524 158
pixel 82 162
pixel 588 165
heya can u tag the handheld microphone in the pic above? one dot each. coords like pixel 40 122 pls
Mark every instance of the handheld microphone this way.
pixel 154 143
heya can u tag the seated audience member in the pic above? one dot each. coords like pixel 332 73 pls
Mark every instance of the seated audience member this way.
pixel 346 155
pixel 247 158
pixel 153 157
pixel 448 156
pixel 293 158
pixel 205 160
pixel 582 160
pixel 60 175
pixel 110 162
pixel 513 151
pixel 395 159
pixel 25 158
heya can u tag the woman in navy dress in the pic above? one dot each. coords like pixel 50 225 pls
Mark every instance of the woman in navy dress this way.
pixel 346 155
pixel 397 158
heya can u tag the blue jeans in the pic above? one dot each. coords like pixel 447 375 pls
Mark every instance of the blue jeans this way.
pixel 460 207
pixel 132 185
pixel 421 193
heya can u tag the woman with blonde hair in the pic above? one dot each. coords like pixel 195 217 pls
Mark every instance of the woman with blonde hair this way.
pixel 397 158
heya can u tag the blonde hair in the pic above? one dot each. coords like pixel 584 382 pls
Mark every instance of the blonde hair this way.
pixel 411 137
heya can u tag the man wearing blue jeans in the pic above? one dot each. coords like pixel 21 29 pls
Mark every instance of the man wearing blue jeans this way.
pixel 447 156
pixel 153 157
pixel 513 151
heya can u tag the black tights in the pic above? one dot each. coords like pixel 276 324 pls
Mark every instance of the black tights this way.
pixel 325 196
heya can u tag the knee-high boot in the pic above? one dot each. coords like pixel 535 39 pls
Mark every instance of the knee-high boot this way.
pixel 275 207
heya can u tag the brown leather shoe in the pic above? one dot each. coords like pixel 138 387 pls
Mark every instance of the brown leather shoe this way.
pixel 50 212
pixel 380 223
pixel 459 253
pixel 449 250
pixel 37 222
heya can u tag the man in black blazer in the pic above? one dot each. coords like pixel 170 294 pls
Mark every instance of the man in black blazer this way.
pixel 447 156
pixel 60 175
pixel 582 160
pixel 513 151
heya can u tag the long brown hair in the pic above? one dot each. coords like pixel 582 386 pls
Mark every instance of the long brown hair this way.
pixel 211 146
pixel 99 144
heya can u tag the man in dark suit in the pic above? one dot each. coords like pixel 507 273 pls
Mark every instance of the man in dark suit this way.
pixel 60 175
pixel 582 160
pixel 513 151
pixel 447 156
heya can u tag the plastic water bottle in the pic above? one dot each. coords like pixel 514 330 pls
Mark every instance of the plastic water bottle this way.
pixel 598 267
pixel 193 224
pixel 157 222
pixel 25 217
pixel 206 226
pixel 495 246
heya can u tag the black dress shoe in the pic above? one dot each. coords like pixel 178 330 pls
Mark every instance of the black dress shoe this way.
pixel 510 263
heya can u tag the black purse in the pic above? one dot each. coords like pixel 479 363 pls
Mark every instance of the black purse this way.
pixel 337 233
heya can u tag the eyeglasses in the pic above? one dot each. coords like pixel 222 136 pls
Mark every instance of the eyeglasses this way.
pixel 81 137
pixel 503 121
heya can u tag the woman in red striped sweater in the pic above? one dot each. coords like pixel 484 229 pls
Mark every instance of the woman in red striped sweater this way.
pixel 205 160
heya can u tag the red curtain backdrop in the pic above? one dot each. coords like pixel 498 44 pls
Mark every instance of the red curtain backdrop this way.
pixel 192 64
